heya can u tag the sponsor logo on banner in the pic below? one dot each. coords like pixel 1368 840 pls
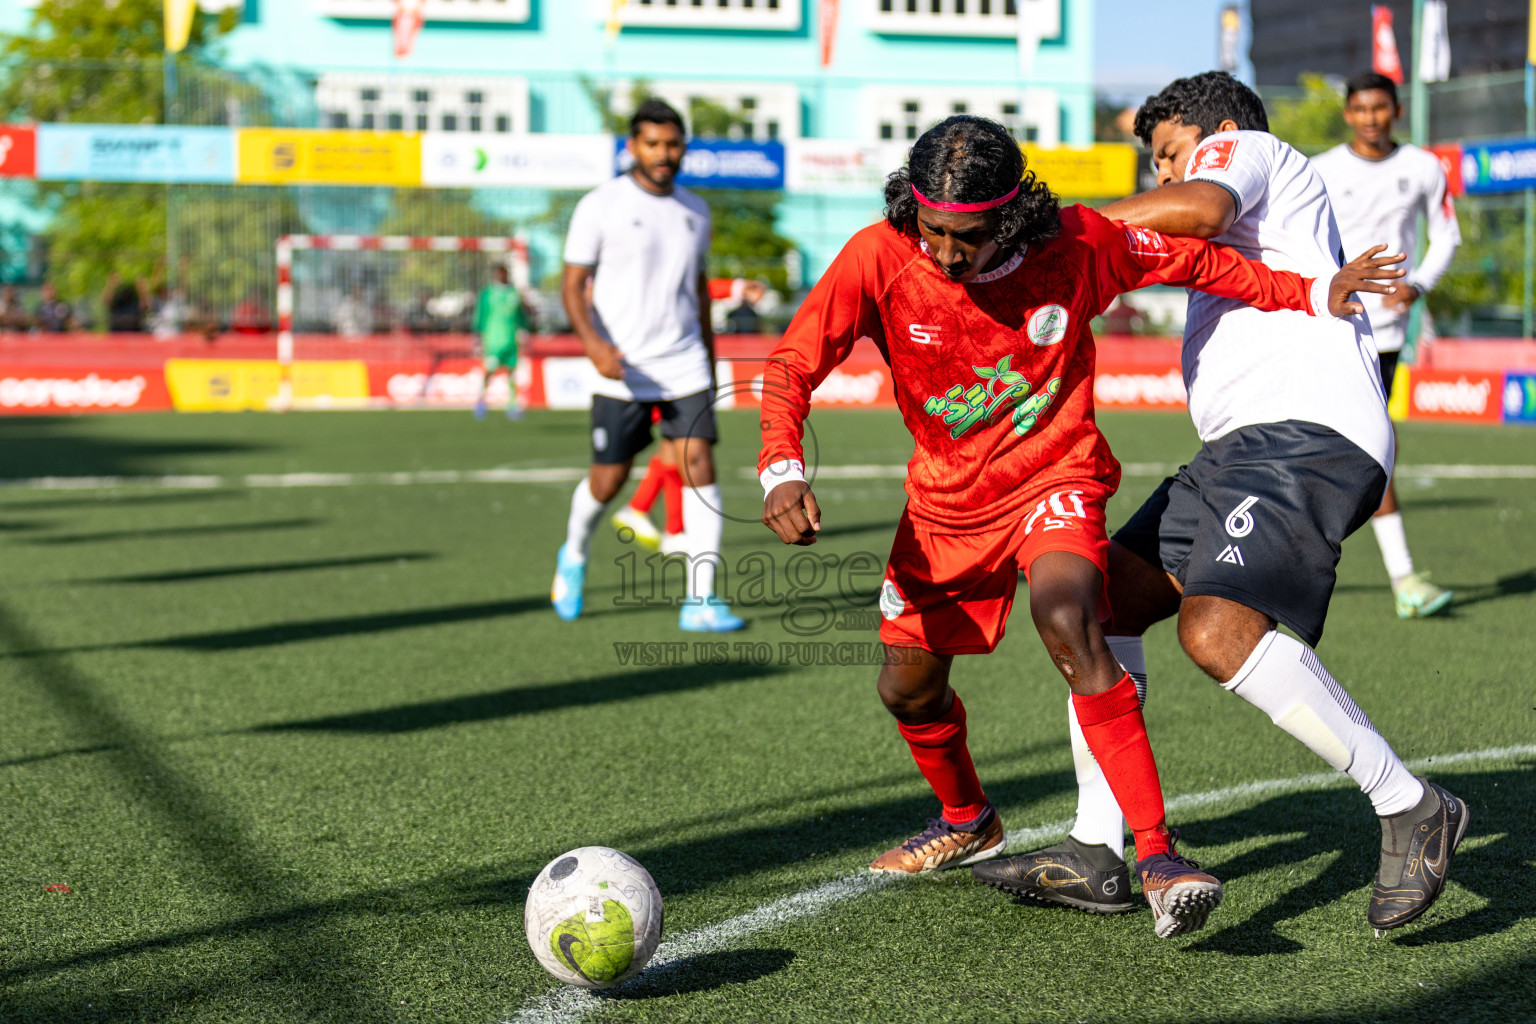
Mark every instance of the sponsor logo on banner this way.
pixel 18 151
pixel 56 389
pixel 1488 168
pixel 1213 156
pixel 834 166
pixel 1114 389
pixel 1520 398
pixel 524 161
pixel 145 153
pixel 712 163
pixel 1088 172
pixel 231 385
pixel 1443 395
pixel 295 156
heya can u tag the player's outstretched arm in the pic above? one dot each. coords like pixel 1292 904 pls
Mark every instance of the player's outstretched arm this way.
pixel 790 511
pixel 1368 272
pixel 1193 209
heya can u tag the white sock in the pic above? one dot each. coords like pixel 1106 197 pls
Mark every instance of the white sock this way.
pixel 703 528
pixel 1394 545
pixel 1098 813
pixel 586 510
pixel 1284 679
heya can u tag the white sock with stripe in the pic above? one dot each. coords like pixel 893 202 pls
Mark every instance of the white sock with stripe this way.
pixel 1098 813
pixel 1284 679
pixel 1393 541
pixel 586 510
pixel 703 529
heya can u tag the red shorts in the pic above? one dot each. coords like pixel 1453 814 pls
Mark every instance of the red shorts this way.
pixel 950 593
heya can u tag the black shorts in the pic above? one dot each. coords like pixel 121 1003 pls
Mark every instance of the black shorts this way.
pixel 1258 517
pixel 622 429
pixel 1388 363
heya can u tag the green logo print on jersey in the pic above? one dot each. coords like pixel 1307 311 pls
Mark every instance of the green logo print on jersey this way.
pixel 599 948
pixel 963 408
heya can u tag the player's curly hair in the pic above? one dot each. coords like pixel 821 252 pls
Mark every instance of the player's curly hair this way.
pixel 969 159
pixel 1204 101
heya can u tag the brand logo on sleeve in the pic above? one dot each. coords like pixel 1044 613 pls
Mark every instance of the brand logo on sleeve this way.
pixel 1214 156
pixel 1047 325
pixel 923 334
pixel 1145 242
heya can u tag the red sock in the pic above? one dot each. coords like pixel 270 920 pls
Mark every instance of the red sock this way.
pixel 1117 736
pixel 945 761
pixel 645 494
pixel 673 482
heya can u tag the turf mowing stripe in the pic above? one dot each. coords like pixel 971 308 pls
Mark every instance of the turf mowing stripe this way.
pixel 568 1005
pixel 565 474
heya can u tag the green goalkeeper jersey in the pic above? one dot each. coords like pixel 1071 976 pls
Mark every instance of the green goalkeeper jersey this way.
pixel 499 316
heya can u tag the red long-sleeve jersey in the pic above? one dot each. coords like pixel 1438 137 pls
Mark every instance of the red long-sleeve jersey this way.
pixel 994 377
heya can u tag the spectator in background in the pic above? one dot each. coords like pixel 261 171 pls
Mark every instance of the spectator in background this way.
pixel 13 315
pixel 251 315
pixel 419 318
pixel 743 318
pixel 167 314
pixel 53 315
pixel 126 304
pixel 350 319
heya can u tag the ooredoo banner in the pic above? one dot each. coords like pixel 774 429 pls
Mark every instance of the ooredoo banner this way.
pixel 1447 395
pixel 75 389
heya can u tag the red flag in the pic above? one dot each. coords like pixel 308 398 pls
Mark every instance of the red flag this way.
pixel 407 23
pixel 1384 59
pixel 828 31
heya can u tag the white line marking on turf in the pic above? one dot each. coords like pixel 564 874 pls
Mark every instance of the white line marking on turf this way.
pixel 565 474
pixel 568 1005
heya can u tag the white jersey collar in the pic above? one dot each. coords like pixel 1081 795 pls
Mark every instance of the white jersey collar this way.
pixel 1001 272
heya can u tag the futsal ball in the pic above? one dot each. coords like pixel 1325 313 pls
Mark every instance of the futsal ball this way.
pixel 593 917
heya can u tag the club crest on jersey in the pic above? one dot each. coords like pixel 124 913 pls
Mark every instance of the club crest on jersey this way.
pixel 963 408
pixel 1047 325
pixel 1214 156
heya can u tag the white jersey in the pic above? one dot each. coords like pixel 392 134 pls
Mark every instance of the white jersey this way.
pixel 648 252
pixel 1379 201
pixel 1244 366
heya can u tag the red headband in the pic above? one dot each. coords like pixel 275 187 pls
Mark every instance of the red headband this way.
pixel 990 204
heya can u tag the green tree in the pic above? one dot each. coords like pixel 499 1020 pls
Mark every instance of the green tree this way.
pixel 1313 119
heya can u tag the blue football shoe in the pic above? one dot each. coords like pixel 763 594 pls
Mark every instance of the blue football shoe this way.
pixel 565 592
pixel 711 615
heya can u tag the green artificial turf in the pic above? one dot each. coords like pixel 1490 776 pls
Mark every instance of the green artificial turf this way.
pixel 297 752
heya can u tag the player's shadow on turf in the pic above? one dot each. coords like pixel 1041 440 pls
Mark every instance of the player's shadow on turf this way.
pixel 263 569
pixel 527 700
pixel 702 973
pixel 59 446
pixel 853 529
pixel 1519 584
pixel 111 499
pixel 158 532
pixel 1338 823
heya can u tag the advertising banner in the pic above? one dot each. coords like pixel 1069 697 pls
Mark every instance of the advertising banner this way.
pixel 1449 155
pixel 1106 169
pixel 712 163
pixel 1488 168
pixel 1131 386
pixel 454 159
pixel 18 151
pixel 1520 398
pixel 839 167
pixel 75 389
pixel 233 385
pixel 144 153
pixel 1445 395
pixel 299 156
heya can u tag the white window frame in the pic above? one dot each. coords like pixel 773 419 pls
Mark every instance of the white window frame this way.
pixel 511 12
pixel 997 23
pixel 771 101
pixel 689 14
pixel 1037 108
pixel 507 95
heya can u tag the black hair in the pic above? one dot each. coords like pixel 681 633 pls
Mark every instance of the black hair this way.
pixel 969 159
pixel 1368 80
pixel 1204 101
pixel 655 111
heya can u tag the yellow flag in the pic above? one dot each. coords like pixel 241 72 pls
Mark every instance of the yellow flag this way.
pixel 616 20
pixel 1530 51
pixel 178 24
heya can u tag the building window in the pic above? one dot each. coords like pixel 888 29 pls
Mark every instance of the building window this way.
pixel 474 97
pixel 503 123
pixel 425 102
pixel 366 122
pixel 896 112
pixel 337 119
pixel 421 96
pixel 716 14
pixel 422 122
pixel 394 122
pixel 474 122
pixel 368 95
pixel 450 123
pixel 512 12
pixel 958 17
pixel 736 110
